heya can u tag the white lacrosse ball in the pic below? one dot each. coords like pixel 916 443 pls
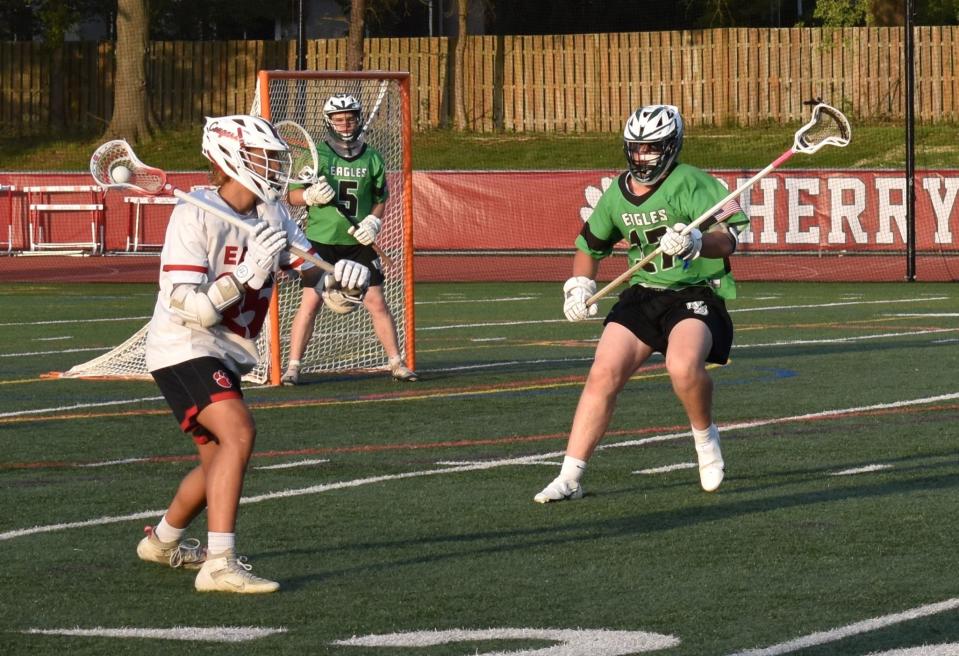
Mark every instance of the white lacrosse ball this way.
pixel 120 174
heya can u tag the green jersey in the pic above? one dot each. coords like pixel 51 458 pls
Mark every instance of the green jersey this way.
pixel 359 183
pixel 683 196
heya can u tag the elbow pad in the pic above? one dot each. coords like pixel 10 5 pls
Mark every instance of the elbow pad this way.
pixel 203 305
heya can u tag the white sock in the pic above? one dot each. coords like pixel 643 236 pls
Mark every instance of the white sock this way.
pixel 164 532
pixel 396 361
pixel 293 364
pixel 573 469
pixel 220 542
pixel 704 435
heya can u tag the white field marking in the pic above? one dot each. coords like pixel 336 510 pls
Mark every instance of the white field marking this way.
pixel 822 305
pixel 498 324
pixel 481 466
pixel 840 340
pixel 298 463
pixel 461 463
pixel 572 642
pixel 861 470
pixel 70 321
pixel 767 298
pixel 924 315
pixel 51 339
pixel 481 300
pixel 488 339
pixel 945 341
pixel 505 363
pixel 190 633
pixel 667 468
pixel 76 406
pixel 865 626
pixel 944 649
pixel 32 353
pixel 110 463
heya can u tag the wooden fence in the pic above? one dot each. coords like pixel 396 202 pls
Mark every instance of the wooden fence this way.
pixel 565 83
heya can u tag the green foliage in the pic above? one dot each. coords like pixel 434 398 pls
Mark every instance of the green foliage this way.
pixel 841 13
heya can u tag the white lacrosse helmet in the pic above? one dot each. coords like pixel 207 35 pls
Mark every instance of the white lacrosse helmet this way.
pixel 249 150
pixel 342 102
pixel 662 127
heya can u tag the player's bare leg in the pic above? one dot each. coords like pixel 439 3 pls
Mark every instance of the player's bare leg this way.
pixel 618 355
pixel 224 462
pixel 385 329
pixel 689 344
pixel 301 332
pixel 165 543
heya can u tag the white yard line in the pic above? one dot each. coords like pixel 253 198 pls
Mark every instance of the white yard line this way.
pixel 191 633
pixel 857 628
pixel 479 466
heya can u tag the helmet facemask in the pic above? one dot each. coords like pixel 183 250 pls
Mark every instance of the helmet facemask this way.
pixel 660 129
pixel 336 110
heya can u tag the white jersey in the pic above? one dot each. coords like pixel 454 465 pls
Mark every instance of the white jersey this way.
pixel 200 248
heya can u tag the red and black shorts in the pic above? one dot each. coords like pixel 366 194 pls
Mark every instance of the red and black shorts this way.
pixel 365 255
pixel 191 386
pixel 651 314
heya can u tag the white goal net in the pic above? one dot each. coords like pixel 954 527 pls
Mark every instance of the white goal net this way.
pixel 340 342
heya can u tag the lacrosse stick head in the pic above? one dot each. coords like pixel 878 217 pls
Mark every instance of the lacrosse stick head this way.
pixel 306 165
pixel 114 165
pixel 828 127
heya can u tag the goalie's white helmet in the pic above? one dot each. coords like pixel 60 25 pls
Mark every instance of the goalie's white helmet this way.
pixel 660 126
pixel 339 103
pixel 251 151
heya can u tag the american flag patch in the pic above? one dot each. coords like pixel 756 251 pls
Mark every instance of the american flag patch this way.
pixel 728 210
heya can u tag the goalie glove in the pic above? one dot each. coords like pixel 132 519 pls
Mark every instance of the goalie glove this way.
pixel 262 247
pixel 576 291
pixel 366 231
pixel 336 298
pixel 676 244
pixel 319 193
pixel 351 276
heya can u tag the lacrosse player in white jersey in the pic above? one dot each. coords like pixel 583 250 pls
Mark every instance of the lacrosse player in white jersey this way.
pixel 675 305
pixel 215 285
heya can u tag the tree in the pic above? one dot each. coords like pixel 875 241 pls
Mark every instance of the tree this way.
pixel 132 118
pixel 354 42
pixel 459 76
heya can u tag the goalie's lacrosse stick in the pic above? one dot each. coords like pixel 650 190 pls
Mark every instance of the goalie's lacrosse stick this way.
pixel 114 165
pixel 306 169
pixel 828 127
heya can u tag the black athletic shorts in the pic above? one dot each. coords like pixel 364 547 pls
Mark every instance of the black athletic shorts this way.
pixel 365 255
pixel 651 314
pixel 191 386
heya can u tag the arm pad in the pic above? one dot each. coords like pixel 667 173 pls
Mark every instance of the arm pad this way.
pixel 202 305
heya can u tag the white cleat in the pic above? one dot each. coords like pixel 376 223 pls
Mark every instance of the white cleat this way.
pixel 404 374
pixel 290 378
pixel 560 490
pixel 187 554
pixel 711 465
pixel 224 572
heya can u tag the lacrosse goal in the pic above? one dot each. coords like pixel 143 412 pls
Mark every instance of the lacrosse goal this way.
pixel 340 343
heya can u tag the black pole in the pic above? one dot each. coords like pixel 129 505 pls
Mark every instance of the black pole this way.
pixel 300 40
pixel 910 145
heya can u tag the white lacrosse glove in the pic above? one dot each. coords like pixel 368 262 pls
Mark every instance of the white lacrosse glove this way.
pixel 262 247
pixel 338 299
pixel 676 244
pixel 319 193
pixel 576 290
pixel 366 231
pixel 351 276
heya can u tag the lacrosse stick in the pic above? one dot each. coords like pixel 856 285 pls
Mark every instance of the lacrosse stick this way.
pixel 828 127
pixel 306 169
pixel 114 165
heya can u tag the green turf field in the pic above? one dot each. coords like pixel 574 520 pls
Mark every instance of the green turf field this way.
pixel 399 518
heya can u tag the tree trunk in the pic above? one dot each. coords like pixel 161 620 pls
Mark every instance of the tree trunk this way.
pixel 354 42
pixel 132 118
pixel 459 76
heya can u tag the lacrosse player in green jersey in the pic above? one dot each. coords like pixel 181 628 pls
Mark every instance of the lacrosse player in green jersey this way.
pixel 675 305
pixel 353 184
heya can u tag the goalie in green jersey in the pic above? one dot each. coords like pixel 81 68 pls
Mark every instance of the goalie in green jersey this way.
pixel 674 305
